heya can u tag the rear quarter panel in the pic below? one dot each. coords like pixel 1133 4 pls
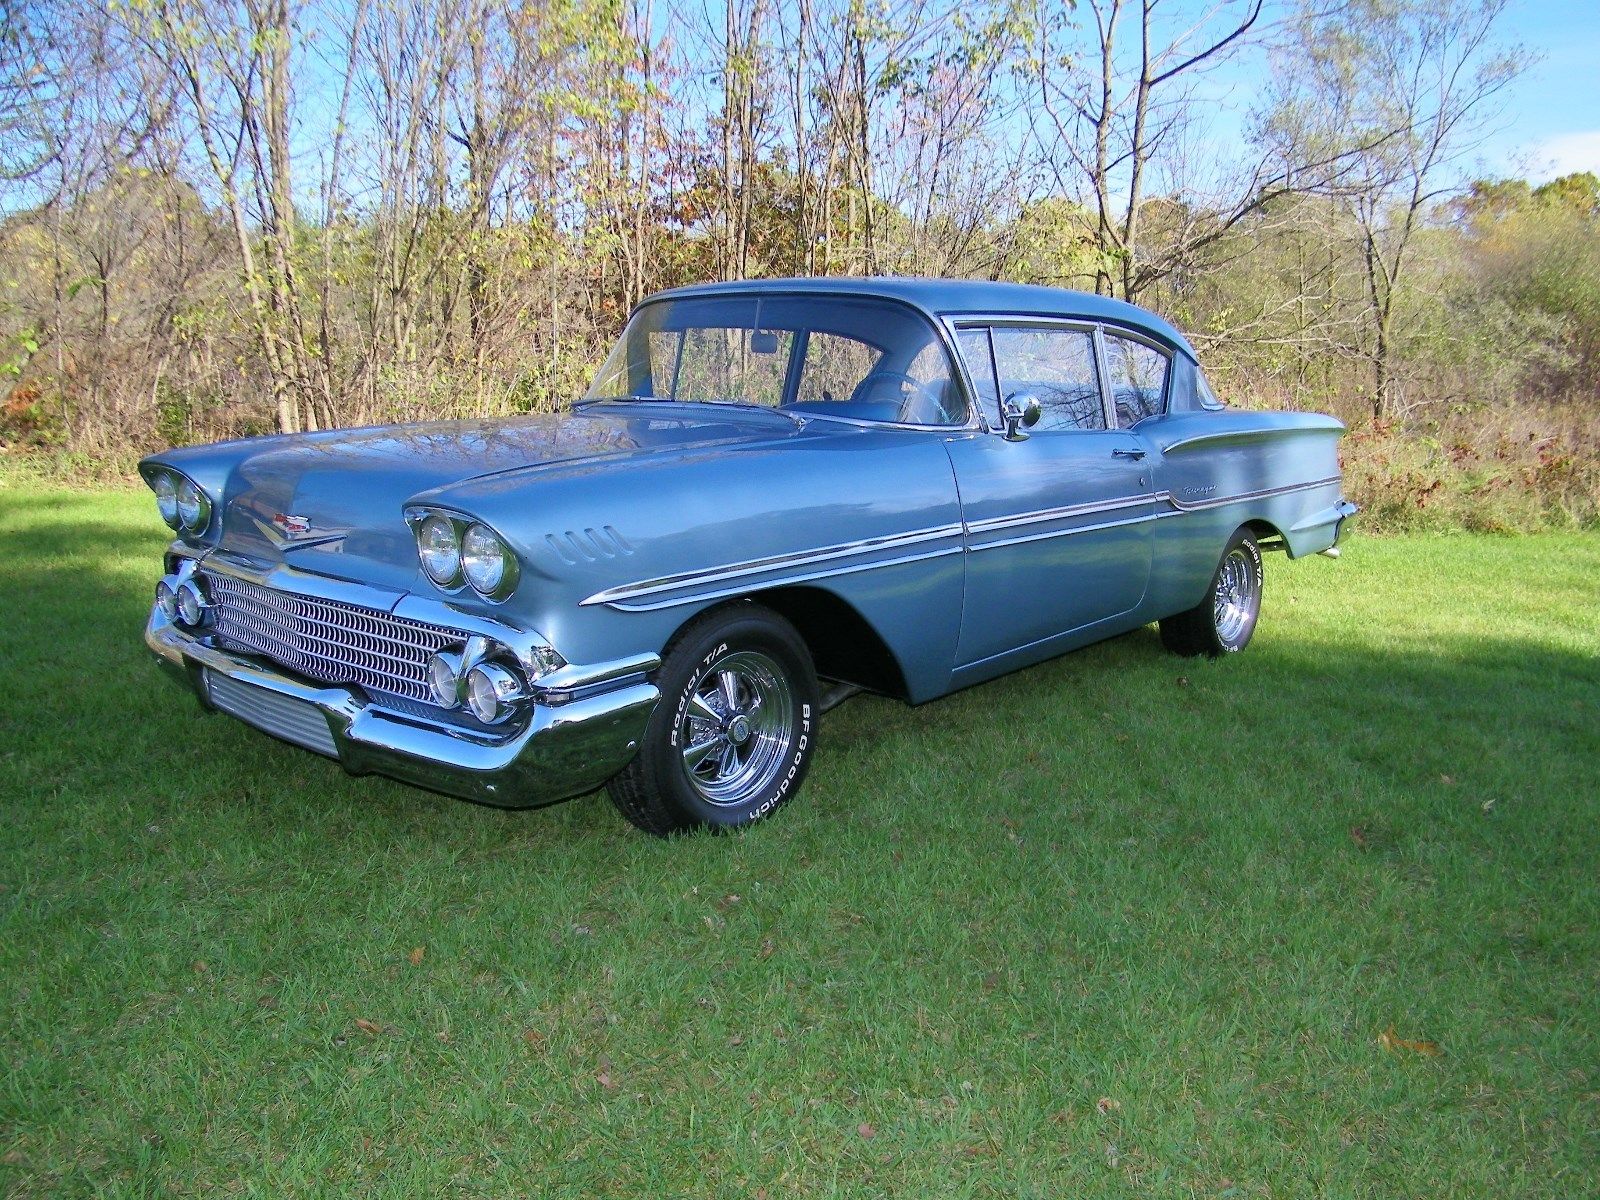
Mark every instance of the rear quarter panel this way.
pixel 1222 470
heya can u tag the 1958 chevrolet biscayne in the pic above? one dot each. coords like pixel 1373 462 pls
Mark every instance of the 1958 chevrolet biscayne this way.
pixel 773 494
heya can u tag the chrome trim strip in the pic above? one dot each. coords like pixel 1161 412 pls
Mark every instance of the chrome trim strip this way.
pixel 1261 494
pixel 623 593
pixel 646 605
pixel 1055 533
pixel 1069 510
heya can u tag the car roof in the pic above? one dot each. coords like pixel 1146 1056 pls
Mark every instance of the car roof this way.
pixel 957 297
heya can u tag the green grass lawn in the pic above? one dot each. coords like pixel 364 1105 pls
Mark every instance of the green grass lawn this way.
pixel 1119 925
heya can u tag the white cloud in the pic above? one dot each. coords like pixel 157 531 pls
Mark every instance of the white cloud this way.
pixel 1564 154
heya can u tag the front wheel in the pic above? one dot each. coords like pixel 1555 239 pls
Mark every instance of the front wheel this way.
pixel 1224 620
pixel 733 733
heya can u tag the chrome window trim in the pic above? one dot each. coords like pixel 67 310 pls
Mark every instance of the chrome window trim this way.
pixel 938 324
pixel 993 321
pixel 1128 335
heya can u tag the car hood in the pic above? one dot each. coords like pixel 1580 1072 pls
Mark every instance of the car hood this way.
pixel 333 502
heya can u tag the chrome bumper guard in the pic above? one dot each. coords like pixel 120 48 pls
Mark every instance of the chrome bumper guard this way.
pixel 583 727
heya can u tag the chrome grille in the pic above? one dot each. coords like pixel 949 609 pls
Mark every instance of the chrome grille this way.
pixel 327 639
pixel 281 716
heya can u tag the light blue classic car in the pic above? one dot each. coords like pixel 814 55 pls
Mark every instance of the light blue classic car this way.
pixel 774 494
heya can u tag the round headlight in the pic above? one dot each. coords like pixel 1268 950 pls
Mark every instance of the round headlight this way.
pixel 439 549
pixel 191 604
pixel 492 690
pixel 167 600
pixel 166 490
pixel 443 681
pixel 485 560
pixel 194 510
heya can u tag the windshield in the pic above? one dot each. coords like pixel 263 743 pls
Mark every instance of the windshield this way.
pixel 827 355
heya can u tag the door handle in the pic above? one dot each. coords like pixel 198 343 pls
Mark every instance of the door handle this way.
pixel 1122 452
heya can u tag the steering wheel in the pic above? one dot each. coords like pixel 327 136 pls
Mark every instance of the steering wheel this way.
pixel 911 390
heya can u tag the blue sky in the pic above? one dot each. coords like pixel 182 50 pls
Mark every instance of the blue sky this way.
pixel 1551 120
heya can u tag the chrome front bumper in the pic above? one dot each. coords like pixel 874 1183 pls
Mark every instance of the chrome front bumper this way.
pixel 579 733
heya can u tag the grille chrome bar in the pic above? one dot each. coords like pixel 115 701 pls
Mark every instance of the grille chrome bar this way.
pixel 328 640
pixel 281 716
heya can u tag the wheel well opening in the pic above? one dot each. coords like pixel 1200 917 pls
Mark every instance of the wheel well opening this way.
pixel 1267 534
pixel 842 643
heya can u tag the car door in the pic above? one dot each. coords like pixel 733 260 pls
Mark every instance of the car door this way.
pixel 1058 523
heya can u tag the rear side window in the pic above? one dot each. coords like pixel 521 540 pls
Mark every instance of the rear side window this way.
pixel 1058 367
pixel 1138 379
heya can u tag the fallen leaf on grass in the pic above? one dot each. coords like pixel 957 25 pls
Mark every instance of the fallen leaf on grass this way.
pixel 533 1037
pixel 366 1026
pixel 200 968
pixel 767 947
pixel 1395 1045
pixel 604 1080
pixel 1107 1105
pixel 1446 779
pixel 1183 681
pixel 1358 835
pixel 866 1131
pixel 416 956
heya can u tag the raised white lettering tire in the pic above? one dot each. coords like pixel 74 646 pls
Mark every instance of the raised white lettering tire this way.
pixel 733 733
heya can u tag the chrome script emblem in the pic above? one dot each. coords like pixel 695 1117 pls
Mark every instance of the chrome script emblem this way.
pixel 292 525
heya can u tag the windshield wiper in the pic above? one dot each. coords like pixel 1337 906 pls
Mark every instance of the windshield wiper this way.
pixel 800 422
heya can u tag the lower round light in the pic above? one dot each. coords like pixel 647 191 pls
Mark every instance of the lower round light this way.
pixel 483 559
pixel 439 549
pixel 194 510
pixel 492 692
pixel 443 681
pixel 167 600
pixel 166 490
pixel 191 604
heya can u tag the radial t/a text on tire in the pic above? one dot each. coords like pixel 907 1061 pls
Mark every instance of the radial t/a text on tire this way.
pixel 733 733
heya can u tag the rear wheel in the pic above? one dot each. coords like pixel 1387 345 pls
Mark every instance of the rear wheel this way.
pixel 732 736
pixel 1223 622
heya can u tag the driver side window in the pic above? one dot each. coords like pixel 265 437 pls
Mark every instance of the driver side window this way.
pixel 1058 366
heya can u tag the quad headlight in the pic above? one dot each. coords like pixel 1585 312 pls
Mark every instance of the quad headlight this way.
pixel 165 486
pixel 486 561
pixel 194 509
pixel 182 503
pixel 456 550
pixel 439 548
pixel 493 692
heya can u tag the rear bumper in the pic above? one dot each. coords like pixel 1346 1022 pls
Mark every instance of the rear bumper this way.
pixel 570 743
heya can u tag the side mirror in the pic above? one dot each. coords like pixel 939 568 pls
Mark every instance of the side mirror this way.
pixel 1020 411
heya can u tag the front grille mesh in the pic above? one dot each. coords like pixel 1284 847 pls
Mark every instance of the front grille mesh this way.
pixel 281 716
pixel 328 640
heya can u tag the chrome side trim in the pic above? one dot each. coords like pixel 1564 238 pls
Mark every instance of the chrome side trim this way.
pixel 645 595
pixel 1055 514
pixel 1260 494
pixel 627 595
pixel 1055 533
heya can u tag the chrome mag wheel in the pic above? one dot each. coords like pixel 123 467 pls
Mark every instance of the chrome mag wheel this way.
pixel 1238 595
pixel 737 729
